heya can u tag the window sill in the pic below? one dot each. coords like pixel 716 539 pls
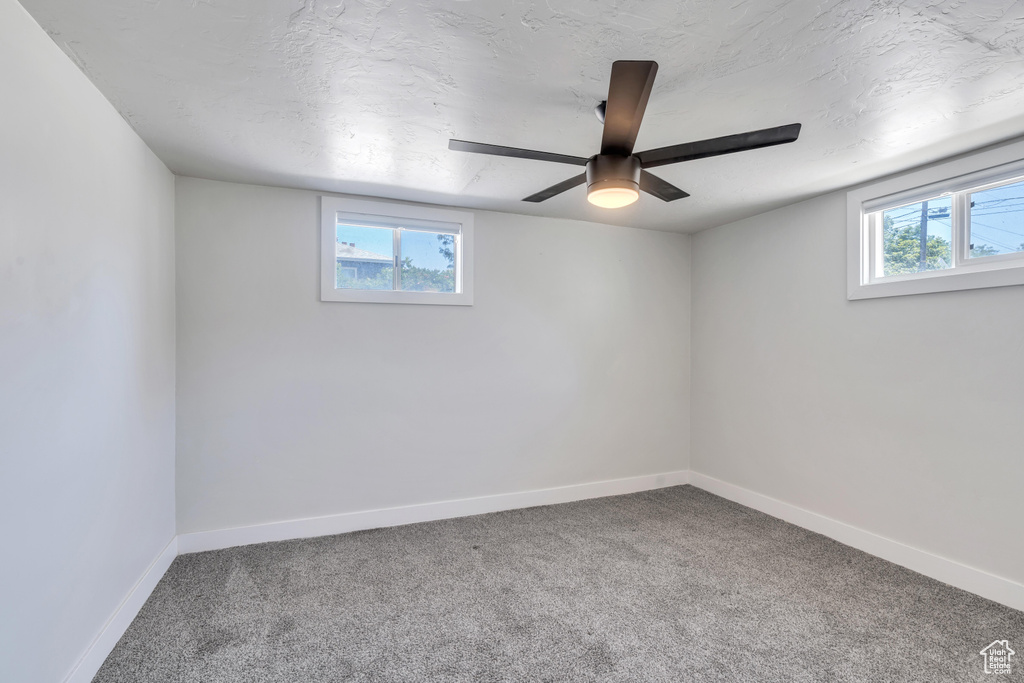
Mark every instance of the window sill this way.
pixel 930 283
pixel 373 296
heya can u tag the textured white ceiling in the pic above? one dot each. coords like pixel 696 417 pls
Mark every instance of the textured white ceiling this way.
pixel 361 96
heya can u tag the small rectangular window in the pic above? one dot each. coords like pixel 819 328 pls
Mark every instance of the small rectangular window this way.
pixel 378 252
pixel 962 231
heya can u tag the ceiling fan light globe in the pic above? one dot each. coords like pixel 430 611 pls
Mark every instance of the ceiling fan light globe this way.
pixel 613 196
pixel 613 181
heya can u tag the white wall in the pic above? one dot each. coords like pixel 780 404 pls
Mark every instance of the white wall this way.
pixel 86 356
pixel 572 366
pixel 901 416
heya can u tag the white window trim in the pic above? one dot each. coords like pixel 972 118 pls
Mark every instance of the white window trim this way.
pixel 410 216
pixel 969 171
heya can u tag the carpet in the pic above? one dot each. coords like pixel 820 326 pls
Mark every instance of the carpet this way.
pixel 668 585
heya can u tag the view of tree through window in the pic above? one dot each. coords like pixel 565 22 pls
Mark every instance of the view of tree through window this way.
pixel 997 220
pixel 365 258
pixel 428 273
pixel 917 237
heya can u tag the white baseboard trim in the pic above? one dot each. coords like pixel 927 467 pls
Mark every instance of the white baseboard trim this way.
pixel 101 646
pixel 977 581
pixel 426 512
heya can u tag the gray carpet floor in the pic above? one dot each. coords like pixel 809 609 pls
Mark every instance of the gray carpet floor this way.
pixel 667 585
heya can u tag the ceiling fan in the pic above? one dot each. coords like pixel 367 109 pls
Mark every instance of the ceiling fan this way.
pixel 615 176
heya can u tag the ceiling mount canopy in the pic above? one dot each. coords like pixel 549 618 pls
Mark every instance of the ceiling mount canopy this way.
pixel 616 176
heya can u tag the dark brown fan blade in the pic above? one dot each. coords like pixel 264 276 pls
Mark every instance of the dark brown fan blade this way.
pixel 628 92
pixel 557 189
pixel 499 150
pixel 716 146
pixel 661 189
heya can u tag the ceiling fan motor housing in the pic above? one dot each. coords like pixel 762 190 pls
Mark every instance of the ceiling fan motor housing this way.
pixel 613 170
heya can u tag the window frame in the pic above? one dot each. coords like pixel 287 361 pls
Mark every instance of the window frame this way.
pixel 957 178
pixel 395 216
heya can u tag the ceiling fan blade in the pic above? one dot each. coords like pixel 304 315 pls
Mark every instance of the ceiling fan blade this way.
pixel 501 151
pixel 661 189
pixel 628 92
pixel 557 189
pixel 740 142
